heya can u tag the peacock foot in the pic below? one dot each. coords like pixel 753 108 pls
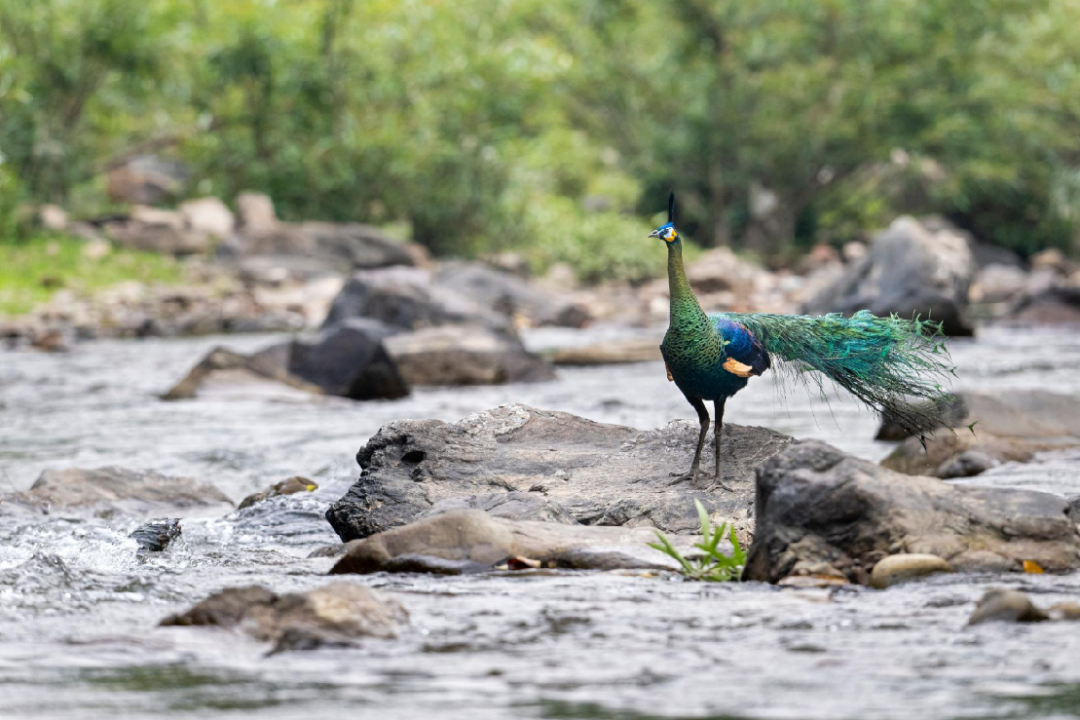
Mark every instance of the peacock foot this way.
pixel 718 483
pixel 684 477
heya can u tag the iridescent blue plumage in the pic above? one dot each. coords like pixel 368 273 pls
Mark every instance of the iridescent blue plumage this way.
pixel 882 361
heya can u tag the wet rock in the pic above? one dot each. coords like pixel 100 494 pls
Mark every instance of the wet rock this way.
pixel 594 473
pixel 464 541
pixel 906 566
pixel 156 535
pixel 966 464
pixel 909 269
pixel 615 352
pixel 336 614
pixel 349 360
pixel 293 485
pixel 1005 426
pixel 406 298
pixel 1006 605
pixel 464 355
pixel 816 504
pixel 511 295
pixel 110 491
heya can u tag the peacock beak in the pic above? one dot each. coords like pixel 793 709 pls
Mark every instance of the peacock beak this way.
pixel 654 233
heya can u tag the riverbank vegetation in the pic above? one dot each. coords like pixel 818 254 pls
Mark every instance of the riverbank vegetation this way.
pixel 556 128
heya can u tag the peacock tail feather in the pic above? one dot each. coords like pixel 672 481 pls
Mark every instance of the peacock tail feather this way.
pixel 886 362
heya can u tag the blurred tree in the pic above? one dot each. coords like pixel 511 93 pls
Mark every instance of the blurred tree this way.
pixel 556 127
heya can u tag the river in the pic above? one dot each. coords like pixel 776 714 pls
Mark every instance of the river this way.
pixel 78 609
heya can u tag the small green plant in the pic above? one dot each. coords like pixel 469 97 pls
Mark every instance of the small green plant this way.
pixel 712 566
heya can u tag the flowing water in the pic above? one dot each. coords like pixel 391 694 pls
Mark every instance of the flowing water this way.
pixel 79 608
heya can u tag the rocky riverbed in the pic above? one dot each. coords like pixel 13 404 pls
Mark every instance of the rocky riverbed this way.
pixel 81 598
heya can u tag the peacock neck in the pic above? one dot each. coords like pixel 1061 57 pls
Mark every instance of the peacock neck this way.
pixel 685 309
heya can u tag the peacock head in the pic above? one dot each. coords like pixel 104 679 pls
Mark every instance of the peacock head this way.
pixel 666 232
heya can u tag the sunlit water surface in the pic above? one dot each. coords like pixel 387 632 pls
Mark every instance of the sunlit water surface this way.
pixel 78 609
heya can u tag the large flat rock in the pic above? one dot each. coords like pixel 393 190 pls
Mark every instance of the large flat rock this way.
pixel 522 463
pixel 818 507
pixel 463 541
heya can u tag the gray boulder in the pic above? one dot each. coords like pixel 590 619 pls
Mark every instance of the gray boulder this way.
pixel 406 298
pixel 465 355
pixel 464 541
pixel 337 614
pixel 815 505
pixel 545 465
pixel 911 268
pixel 511 295
pixel 349 360
pixel 111 491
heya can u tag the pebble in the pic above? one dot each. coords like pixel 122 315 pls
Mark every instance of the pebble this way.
pixel 1006 605
pixel 898 568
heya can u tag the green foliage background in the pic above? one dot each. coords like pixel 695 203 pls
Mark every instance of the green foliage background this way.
pixel 556 127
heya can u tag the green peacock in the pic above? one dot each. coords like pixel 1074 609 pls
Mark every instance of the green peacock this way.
pixel 892 365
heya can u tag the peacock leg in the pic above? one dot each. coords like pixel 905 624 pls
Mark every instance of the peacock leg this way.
pixel 703 418
pixel 719 413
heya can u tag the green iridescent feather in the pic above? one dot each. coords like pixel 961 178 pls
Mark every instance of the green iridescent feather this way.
pixel 888 363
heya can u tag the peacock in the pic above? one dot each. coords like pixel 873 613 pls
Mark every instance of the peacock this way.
pixel 888 363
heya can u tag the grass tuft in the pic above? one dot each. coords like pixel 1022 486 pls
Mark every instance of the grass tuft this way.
pixel 713 565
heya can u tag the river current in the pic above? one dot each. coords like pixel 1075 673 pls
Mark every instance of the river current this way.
pixel 79 609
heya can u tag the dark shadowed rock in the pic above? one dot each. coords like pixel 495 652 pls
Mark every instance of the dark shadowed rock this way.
pixel 336 614
pixel 156 535
pixel 1006 606
pixel 816 504
pixel 463 541
pixel 349 360
pixel 465 355
pixel 1005 426
pixel 293 485
pixel 576 469
pixel 909 269
pixel 110 491
pixel 511 295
